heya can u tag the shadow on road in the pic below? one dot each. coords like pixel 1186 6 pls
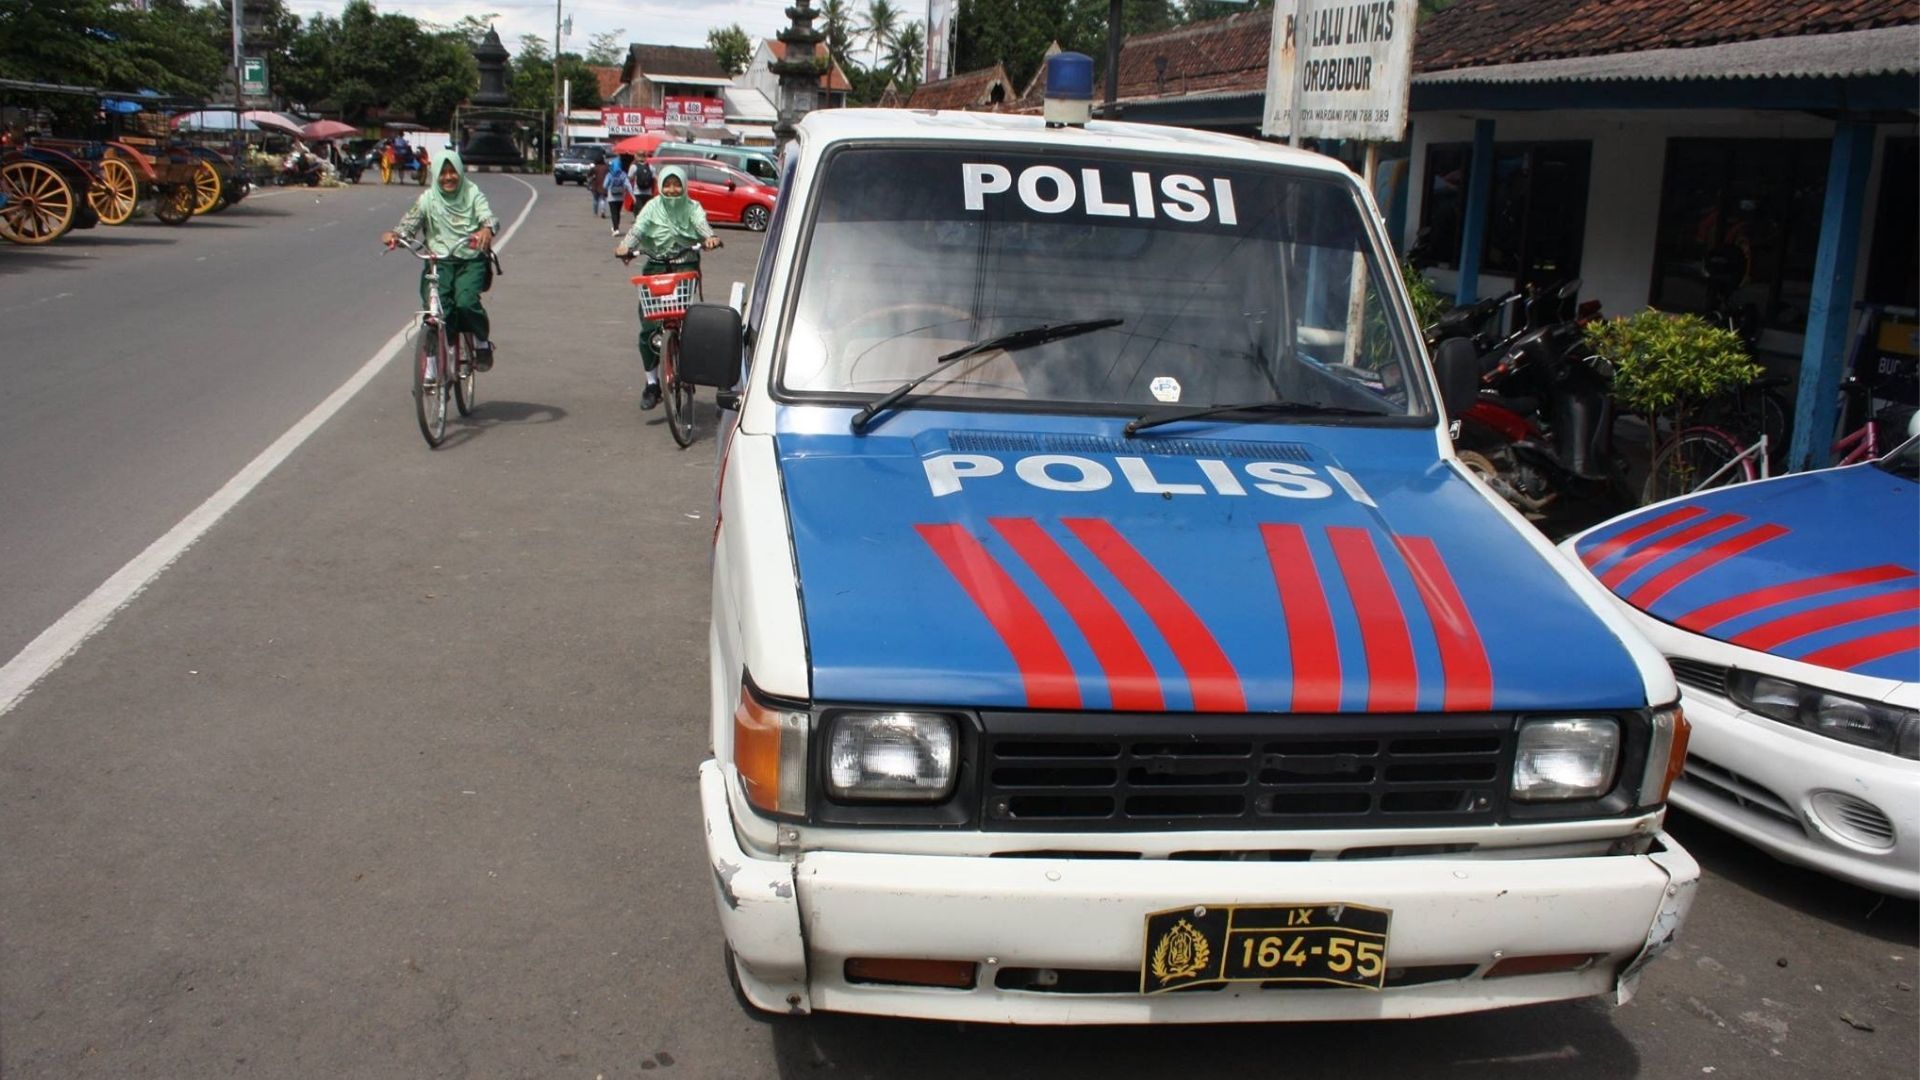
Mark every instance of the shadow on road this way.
pixel 1849 907
pixel 492 414
pixel 1570 1041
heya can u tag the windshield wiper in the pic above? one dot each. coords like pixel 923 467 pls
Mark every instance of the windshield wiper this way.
pixel 1284 408
pixel 1017 339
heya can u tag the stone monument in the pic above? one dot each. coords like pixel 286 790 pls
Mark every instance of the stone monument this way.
pixel 490 136
pixel 799 70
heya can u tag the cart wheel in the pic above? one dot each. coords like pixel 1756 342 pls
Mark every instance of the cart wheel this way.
pixel 114 193
pixel 174 204
pixel 40 203
pixel 207 188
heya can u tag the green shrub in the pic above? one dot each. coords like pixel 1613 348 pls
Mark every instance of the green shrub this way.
pixel 1428 302
pixel 1666 365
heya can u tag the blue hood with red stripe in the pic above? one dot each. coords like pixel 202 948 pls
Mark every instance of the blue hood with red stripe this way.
pixel 1818 567
pixel 1001 561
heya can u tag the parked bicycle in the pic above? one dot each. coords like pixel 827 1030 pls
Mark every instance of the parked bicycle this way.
pixel 443 365
pixel 664 299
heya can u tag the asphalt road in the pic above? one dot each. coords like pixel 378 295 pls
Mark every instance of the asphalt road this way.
pixel 392 772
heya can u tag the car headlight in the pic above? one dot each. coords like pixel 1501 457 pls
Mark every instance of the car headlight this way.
pixel 1559 760
pixel 895 756
pixel 1876 726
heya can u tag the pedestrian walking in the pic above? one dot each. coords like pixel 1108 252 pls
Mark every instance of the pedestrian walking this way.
pixel 597 184
pixel 386 161
pixel 617 190
pixel 640 183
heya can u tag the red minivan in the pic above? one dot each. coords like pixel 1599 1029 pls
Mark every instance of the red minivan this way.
pixel 729 195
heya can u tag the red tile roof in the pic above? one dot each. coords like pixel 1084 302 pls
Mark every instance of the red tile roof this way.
pixel 1474 33
pixel 1216 56
pixel 969 90
pixel 833 80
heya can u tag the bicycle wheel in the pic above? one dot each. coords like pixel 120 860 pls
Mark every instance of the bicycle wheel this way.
pixel 1694 459
pixel 677 395
pixel 464 383
pixel 429 387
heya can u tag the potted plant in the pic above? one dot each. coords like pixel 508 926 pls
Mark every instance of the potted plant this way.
pixel 1666 366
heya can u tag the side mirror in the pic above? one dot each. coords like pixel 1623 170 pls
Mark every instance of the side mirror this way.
pixel 1456 363
pixel 710 346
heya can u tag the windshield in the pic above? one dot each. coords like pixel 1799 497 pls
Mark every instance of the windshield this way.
pixel 1224 284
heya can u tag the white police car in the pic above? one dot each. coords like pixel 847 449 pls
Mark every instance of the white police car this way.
pixel 1103 630
pixel 1790 610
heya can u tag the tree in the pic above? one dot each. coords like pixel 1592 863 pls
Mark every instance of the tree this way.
pixel 907 59
pixel 836 22
pixel 444 75
pixel 533 50
pixel 100 43
pixel 879 26
pixel 732 48
pixel 473 28
pixel 605 50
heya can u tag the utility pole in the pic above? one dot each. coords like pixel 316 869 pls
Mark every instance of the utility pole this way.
pixel 558 108
pixel 239 96
pixel 1115 29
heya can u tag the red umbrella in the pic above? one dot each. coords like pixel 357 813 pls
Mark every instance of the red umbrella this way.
pixel 644 143
pixel 329 129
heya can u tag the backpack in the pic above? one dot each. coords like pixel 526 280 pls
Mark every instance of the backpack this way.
pixel 642 180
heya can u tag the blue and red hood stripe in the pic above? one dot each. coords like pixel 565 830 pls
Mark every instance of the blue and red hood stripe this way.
pixel 1818 567
pixel 1391 588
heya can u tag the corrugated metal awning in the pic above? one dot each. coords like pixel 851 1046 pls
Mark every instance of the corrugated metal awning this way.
pixel 1893 50
pixel 660 79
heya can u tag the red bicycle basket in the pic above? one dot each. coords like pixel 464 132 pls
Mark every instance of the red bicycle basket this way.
pixel 666 296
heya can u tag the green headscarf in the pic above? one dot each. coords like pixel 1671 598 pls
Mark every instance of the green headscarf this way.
pixel 449 219
pixel 669 222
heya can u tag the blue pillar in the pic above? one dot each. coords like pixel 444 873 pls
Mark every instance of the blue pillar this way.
pixel 1397 200
pixel 1823 360
pixel 1473 223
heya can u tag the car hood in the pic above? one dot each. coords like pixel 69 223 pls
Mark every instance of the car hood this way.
pixel 974 560
pixel 1817 567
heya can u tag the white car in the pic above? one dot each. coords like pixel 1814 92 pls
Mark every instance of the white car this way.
pixel 1103 630
pixel 1790 611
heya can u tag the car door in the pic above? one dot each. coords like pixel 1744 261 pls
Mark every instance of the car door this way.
pixel 720 190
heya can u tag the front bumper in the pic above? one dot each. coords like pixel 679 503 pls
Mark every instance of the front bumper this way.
pixel 792 925
pixel 1801 797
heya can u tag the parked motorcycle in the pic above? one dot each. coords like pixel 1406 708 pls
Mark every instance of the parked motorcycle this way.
pixel 1542 426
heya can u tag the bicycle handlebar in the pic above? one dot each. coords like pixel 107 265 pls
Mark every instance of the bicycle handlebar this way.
pixel 672 256
pixel 417 247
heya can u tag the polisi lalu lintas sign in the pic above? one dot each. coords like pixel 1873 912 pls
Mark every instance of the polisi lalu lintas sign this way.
pixel 1357 56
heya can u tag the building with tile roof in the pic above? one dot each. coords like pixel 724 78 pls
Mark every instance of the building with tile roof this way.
pixel 985 89
pixel 1755 158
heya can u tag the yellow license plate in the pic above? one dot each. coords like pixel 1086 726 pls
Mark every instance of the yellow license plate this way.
pixel 1310 944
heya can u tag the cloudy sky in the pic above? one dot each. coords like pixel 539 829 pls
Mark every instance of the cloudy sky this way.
pixel 652 22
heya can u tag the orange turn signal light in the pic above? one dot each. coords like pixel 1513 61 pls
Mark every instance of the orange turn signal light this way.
pixel 893 971
pixel 1540 965
pixel 1677 757
pixel 770 750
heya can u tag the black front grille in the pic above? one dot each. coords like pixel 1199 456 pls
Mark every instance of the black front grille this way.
pixel 1709 678
pixel 1287 772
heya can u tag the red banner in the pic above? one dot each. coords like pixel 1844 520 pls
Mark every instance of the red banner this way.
pixel 621 122
pixel 696 111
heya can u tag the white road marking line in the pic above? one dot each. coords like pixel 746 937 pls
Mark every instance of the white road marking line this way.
pixel 56 643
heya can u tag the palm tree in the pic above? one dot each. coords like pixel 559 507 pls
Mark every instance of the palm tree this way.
pixel 907 60
pixel 880 27
pixel 838 27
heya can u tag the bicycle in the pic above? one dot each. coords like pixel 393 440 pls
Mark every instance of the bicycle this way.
pixel 435 354
pixel 1701 457
pixel 664 299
